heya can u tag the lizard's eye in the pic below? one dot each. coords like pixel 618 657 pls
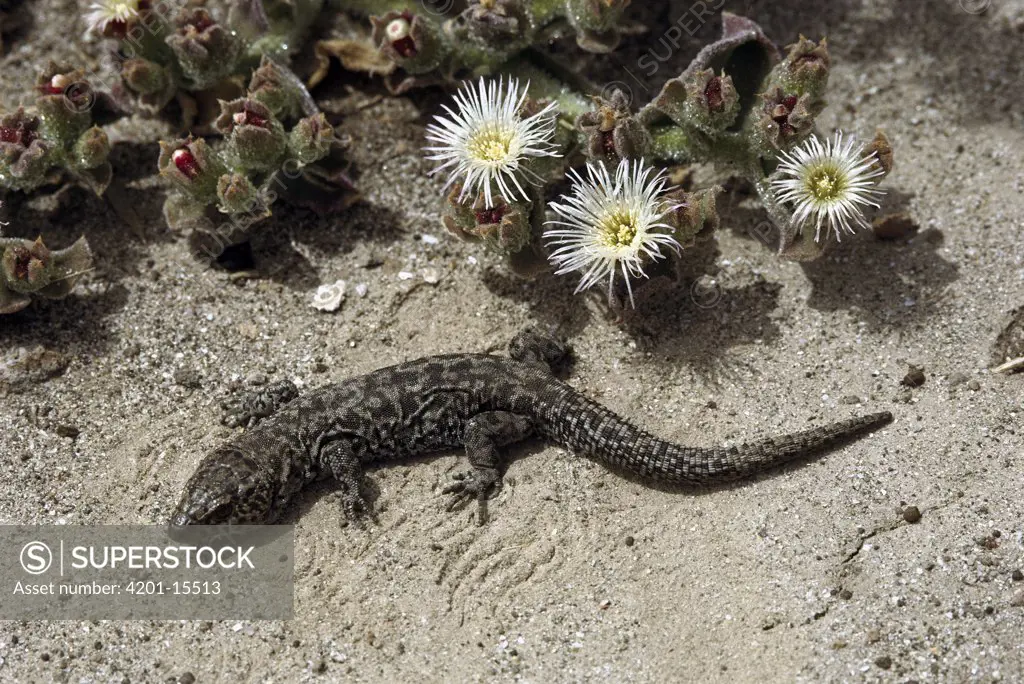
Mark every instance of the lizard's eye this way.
pixel 219 514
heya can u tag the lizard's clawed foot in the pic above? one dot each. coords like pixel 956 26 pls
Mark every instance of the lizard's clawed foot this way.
pixel 248 409
pixel 476 485
pixel 357 510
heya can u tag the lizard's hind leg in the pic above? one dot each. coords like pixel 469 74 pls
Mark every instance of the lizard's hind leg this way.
pixel 484 434
pixel 534 347
pixel 249 409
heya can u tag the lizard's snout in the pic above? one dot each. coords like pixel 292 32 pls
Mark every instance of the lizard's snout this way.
pixel 179 520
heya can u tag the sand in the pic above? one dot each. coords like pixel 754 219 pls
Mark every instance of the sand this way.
pixel 810 573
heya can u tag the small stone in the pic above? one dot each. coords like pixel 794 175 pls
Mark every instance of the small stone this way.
pixel 958 378
pixel 914 377
pixel 846 594
pixel 320 667
pixel 1018 599
pixel 911 514
pixel 884 662
pixel 1017 575
pixel 712 404
pixel 188 377
pixel 187 678
pixel 605 604
pixel 974 385
pixel 431 276
pixel 904 397
pixel 629 541
pixel 851 399
pixel 894 226
pixel 873 636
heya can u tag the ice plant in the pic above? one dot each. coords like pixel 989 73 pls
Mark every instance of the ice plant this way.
pixel 611 224
pixel 112 14
pixel 830 183
pixel 486 142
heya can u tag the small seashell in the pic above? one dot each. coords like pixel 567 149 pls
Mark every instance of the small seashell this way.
pixel 328 297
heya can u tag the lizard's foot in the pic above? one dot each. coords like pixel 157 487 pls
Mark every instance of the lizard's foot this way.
pixel 534 347
pixel 357 510
pixel 248 409
pixel 478 484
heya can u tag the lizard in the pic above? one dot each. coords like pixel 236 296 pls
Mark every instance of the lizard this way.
pixel 481 402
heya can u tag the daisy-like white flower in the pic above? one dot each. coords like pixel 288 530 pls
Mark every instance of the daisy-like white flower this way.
pixel 831 183
pixel 485 140
pixel 111 12
pixel 611 224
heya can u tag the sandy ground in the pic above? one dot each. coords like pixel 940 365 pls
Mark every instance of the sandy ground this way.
pixel 806 574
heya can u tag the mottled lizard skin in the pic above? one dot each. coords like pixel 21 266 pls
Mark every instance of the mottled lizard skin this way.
pixel 476 401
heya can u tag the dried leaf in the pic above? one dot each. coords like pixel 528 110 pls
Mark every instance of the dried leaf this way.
pixel 354 55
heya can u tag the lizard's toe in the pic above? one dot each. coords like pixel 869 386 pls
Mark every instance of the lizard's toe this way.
pixel 468 487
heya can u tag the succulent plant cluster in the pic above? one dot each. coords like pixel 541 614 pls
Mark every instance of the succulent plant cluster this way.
pixel 56 138
pixel 506 150
pixel 29 268
pixel 429 46
pixel 273 138
pixel 173 51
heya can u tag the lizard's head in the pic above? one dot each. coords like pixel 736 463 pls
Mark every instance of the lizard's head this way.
pixel 226 489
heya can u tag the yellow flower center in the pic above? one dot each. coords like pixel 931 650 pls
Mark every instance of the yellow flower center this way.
pixel 491 145
pixel 826 184
pixel 618 229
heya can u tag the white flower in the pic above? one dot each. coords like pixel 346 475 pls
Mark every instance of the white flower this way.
pixel 611 224
pixel 328 297
pixel 485 141
pixel 106 12
pixel 832 183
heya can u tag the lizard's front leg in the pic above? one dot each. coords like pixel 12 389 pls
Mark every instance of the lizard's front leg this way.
pixel 484 433
pixel 249 409
pixel 343 463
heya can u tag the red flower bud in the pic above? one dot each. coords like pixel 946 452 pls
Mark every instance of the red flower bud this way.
pixel 186 162
pixel 248 118
pixel 713 94
pixel 486 217
pixel 398 33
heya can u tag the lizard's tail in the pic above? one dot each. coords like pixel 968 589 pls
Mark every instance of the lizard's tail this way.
pixel 587 428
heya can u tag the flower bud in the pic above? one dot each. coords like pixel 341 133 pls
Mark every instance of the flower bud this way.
pixel 612 132
pixel 145 77
pixel 26 266
pixel 255 138
pixel 411 41
pixel 24 155
pixel 192 166
pixel 311 139
pixel 595 22
pixel 205 50
pixel 504 227
pixel 278 90
pixel 237 194
pixel 804 70
pixel 91 149
pixel 693 215
pixel 783 120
